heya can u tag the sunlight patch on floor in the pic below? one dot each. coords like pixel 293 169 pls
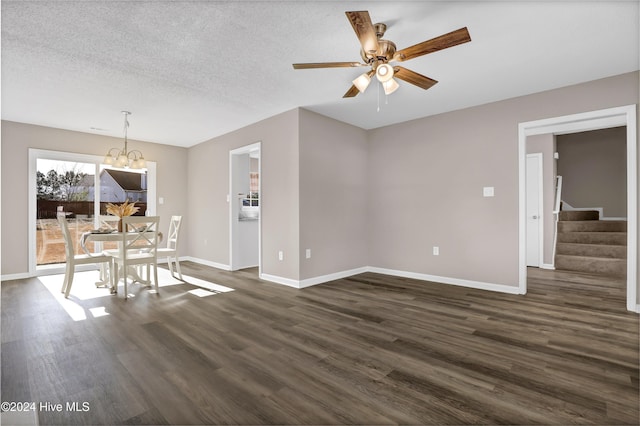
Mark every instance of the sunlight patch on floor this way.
pixel 165 278
pixel 84 288
pixel 200 292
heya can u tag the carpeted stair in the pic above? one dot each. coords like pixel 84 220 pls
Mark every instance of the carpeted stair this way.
pixel 586 244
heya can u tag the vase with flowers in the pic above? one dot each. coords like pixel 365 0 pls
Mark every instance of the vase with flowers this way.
pixel 122 210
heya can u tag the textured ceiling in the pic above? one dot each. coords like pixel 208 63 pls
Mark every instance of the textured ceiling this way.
pixel 193 70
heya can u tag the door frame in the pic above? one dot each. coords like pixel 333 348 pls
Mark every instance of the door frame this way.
pixel 581 122
pixel 232 201
pixel 540 158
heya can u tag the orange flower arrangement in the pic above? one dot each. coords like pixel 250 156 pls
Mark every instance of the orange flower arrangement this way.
pixel 122 210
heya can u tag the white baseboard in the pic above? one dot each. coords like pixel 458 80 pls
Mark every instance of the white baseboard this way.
pixel 501 288
pixel 308 282
pixel 547 266
pixel 414 275
pixel 205 262
pixel 280 280
pixel 50 270
pixel 20 276
pixel 330 277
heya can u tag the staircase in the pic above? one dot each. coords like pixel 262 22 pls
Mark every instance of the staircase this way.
pixel 586 244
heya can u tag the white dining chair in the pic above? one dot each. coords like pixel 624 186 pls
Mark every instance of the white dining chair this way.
pixel 171 250
pixel 138 246
pixel 73 259
pixel 108 221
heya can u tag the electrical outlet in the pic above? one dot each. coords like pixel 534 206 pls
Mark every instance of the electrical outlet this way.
pixel 488 191
pixel 308 254
pixel 280 255
pixel 436 251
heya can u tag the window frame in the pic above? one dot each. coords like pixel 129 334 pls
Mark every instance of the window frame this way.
pixel 34 155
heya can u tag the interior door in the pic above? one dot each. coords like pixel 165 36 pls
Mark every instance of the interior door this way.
pixel 534 209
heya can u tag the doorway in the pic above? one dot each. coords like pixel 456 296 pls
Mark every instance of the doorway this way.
pixel 244 208
pixel 593 120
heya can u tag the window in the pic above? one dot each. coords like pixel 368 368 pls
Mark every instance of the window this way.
pixel 79 187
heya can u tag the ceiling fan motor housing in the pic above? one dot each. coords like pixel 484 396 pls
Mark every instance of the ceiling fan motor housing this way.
pixel 385 52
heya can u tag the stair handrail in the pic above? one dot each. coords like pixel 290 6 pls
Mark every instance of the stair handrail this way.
pixel 556 208
pixel 556 217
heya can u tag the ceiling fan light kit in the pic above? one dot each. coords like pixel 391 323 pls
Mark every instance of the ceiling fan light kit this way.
pixel 384 73
pixel 390 86
pixel 362 82
pixel 377 53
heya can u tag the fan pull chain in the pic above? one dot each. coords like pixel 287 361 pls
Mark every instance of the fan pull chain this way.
pixel 378 86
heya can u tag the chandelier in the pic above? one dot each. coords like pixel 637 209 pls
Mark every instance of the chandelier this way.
pixel 124 158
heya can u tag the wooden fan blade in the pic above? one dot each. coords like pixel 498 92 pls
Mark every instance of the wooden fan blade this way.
pixel 413 77
pixel 361 23
pixel 451 39
pixel 353 91
pixel 328 65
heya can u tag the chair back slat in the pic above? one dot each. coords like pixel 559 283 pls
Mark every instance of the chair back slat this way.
pixel 108 221
pixel 174 232
pixel 141 234
pixel 66 235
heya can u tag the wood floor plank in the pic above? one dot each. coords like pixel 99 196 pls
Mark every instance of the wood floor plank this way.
pixel 367 349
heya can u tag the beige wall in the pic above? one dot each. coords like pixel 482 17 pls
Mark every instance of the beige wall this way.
pixel 17 138
pixel 208 178
pixel 427 177
pixel 594 168
pixel 333 196
pixel 545 144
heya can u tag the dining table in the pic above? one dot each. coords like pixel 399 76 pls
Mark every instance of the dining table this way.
pixel 111 235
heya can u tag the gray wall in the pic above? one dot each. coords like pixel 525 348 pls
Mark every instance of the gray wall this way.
pixel 208 178
pixel 17 138
pixel 333 196
pixel 426 179
pixel 422 182
pixel 594 169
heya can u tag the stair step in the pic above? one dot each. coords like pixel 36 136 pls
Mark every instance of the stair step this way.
pixel 592 250
pixel 609 238
pixel 592 265
pixel 579 215
pixel 592 226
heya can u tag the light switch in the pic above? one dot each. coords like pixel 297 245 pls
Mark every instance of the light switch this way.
pixel 487 191
pixel 161 200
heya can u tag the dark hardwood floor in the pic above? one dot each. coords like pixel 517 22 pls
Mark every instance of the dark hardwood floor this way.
pixel 370 349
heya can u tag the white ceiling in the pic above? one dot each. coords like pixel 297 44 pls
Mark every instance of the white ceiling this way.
pixel 192 70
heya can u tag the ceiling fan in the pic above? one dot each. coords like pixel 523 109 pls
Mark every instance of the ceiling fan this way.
pixel 377 53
